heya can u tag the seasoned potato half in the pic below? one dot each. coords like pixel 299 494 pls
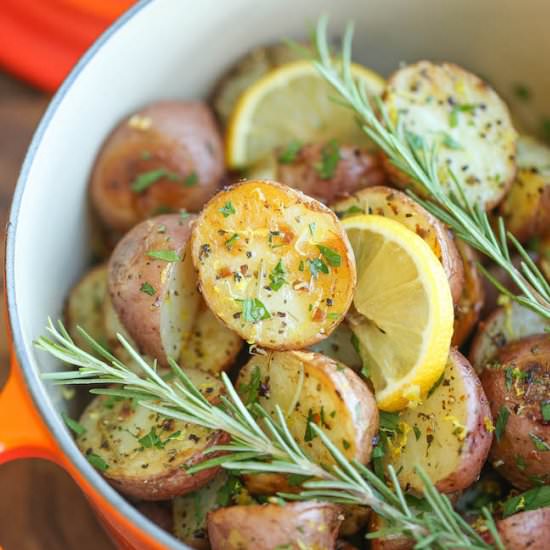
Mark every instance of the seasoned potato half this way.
pixel 152 284
pixel 506 324
pixel 526 208
pixel 342 346
pixel 391 203
pixel 144 454
pixel 471 124
pixel 324 171
pixel 294 526
pixel 166 156
pixel 84 307
pixel 518 388
pixel 211 347
pixel 389 542
pixel 447 434
pixel 526 530
pixel 310 387
pixel 471 301
pixel 274 265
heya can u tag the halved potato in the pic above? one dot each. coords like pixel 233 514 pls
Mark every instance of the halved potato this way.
pixel 274 265
pixel 526 207
pixel 526 530
pixel 517 385
pixel 211 346
pixel 447 105
pixel 469 306
pixel 84 307
pixel 391 203
pixel 143 454
pixel 447 434
pixel 293 526
pixel 310 387
pixel 342 346
pixel 152 285
pixel 164 157
pixel 506 324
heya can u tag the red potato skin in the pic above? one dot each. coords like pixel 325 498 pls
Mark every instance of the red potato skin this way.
pixel 129 267
pixel 526 530
pixel 313 524
pixel 180 137
pixel 515 455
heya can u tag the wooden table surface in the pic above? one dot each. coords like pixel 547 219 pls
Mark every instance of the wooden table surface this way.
pixel 40 506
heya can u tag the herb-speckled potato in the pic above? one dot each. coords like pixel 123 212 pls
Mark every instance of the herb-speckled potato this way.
pixel 446 104
pixel 526 530
pixel 526 207
pixel 506 324
pixel 447 434
pixel 517 385
pixel 152 285
pixel 293 526
pixel 274 265
pixel 391 203
pixel 166 156
pixel 84 307
pixel 144 454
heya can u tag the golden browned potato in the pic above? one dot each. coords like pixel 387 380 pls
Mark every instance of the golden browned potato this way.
pixel 446 105
pixel 294 526
pixel 274 265
pixel 526 530
pixel 84 307
pixel 152 285
pixel 526 207
pixel 311 388
pixel 391 203
pixel 506 324
pixel 144 454
pixel 164 157
pixel 517 385
pixel 447 434
pixel 469 306
pixel 388 542
pixel 324 171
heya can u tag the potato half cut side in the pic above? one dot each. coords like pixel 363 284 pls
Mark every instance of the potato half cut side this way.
pixel 266 527
pixel 526 530
pixel 144 454
pixel 274 265
pixel 391 203
pixel 310 387
pixel 446 105
pixel 518 388
pixel 84 307
pixel 504 325
pixel 152 285
pixel 447 434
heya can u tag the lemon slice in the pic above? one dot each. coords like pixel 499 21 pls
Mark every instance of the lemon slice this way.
pixel 403 310
pixel 293 103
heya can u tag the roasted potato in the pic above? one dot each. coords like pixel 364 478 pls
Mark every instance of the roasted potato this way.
pixel 526 530
pixel 517 385
pixel 152 285
pixel 166 156
pixel 274 265
pixel 388 542
pixel 294 526
pixel 506 324
pixel 471 301
pixel 158 512
pixel 342 346
pixel 306 168
pixel 526 207
pixel 447 105
pixel 391 203
pixel 84 307
pixel 310 387
pixel 447 434
pixel 143 454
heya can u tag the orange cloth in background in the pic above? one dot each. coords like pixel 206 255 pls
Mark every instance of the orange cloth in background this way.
pixel 41 40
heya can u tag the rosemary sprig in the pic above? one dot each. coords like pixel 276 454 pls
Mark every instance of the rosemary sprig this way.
pixel 411 155
pixel 265 445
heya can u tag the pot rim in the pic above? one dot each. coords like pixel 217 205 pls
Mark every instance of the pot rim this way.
pixel 35 385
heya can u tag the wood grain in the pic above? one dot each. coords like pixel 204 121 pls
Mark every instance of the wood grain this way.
pixel 41 508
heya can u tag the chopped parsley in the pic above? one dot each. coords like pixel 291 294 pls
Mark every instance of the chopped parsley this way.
pixel 353 209
pixel 277 276
pixel 227 209
pixel 317 266
pixel 191 179
pixel 254 310
pixel 365 372
pixel 144 180
pixel 184 214
pixel 228 490
pixel 539 497
pixel 97 462
pixel 232 240
pixel 301 266
pixel 389 422
pixel 509 378
pixel 346 444
pixel 457 109
pixel 164 255
pixel 74 426
pixel 152 439
pixel 378 453
pixel 330 255
pixel 522 92
pixel 310 434
pixel 147 288
pixel 545 410
pixel 312 227
pixel 520 462
pixel 539 443
pixel 437 384
pixel 417 432
pixel 500 424
pixel 330 157
pixel 449 142
pixel 288 156
pixel 250 392
pixel 333 316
